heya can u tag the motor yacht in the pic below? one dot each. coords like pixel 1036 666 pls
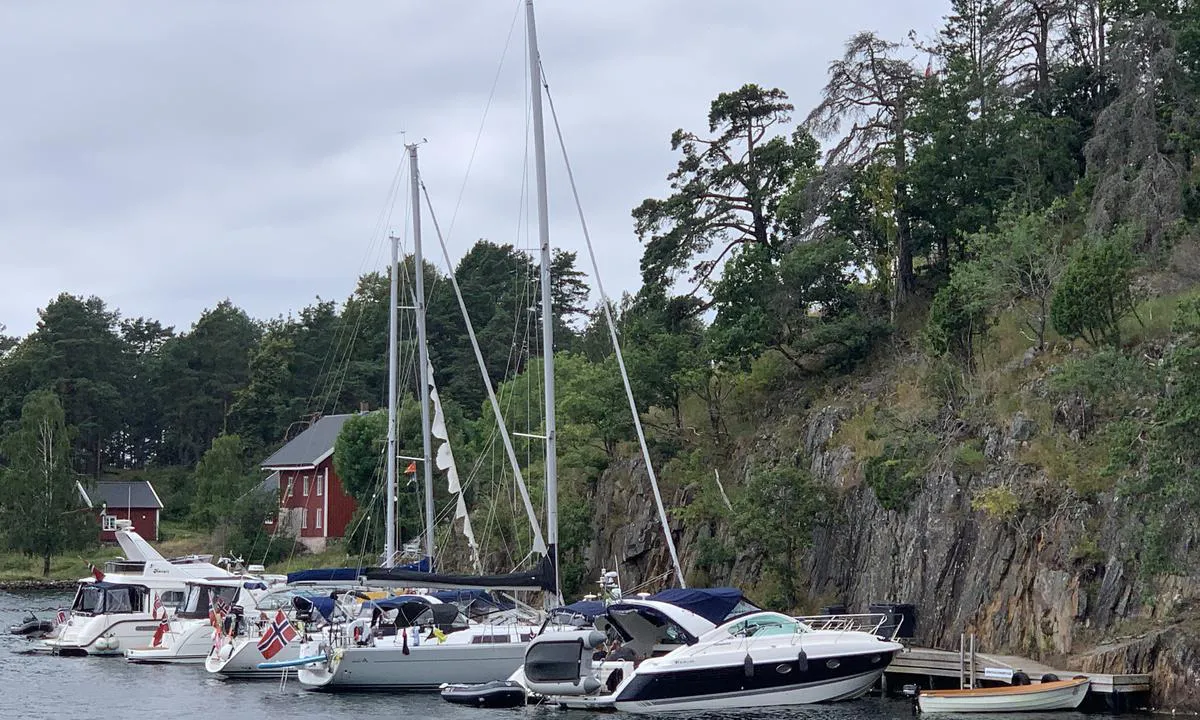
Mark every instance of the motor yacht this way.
pixel 693 650
pixel 117 608
pixel 187 636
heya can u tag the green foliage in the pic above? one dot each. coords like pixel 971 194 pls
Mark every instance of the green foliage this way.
pixel 1113 383
pixel 969 457
pixel 998 501
pixel 1096 291
pixel 727 189
pixel 223 477
pixel 775 514
pixel 960 316
pixel 41 512
pixel 897 473
pixel 1024 257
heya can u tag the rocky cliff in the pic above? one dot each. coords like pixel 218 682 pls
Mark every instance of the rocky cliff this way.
pixel 1037 568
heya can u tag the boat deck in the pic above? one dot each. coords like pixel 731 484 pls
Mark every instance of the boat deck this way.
pixel 933 663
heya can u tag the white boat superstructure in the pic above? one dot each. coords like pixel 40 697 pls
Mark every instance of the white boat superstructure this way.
pixel 675 659
pixel 187 636
pixel 115 609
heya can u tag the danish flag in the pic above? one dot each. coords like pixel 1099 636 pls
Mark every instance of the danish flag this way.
pixel 277 636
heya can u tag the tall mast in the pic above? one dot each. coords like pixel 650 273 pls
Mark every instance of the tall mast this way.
pixel 389 543
pixel 539 145
pixel 422 349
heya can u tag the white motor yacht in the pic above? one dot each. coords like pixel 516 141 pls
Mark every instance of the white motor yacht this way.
pixel 187 637
pixel 696 650
pixel 115 609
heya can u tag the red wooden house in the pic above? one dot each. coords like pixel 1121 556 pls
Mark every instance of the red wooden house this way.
pixel 313 506
pixel 114 500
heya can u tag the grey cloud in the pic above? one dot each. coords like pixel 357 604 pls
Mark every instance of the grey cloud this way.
pixel 167 155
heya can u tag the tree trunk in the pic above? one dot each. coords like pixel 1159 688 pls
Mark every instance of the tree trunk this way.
pixel 905 278
pixel 46 565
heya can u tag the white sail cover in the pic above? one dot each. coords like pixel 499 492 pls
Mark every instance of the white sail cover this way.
pixel 444 460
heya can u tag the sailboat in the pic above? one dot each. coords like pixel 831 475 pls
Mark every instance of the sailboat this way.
pixel 429 643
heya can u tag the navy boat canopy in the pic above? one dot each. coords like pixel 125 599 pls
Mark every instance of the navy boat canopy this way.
pixel 588 609
pixel 347 575
pixel 712 604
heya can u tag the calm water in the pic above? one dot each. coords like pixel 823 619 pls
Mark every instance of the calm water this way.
pixel 41 686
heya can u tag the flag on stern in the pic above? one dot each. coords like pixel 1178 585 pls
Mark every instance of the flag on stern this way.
pixel 277 636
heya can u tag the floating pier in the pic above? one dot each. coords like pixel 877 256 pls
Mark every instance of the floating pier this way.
pixel 933 668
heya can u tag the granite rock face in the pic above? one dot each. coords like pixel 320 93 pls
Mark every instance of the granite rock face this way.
pixel 1050 582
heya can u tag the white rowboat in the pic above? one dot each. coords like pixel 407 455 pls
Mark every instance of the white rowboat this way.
pixel 1056 695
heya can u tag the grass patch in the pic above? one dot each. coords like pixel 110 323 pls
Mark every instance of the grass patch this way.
pixel 1153 318
pixel 859 433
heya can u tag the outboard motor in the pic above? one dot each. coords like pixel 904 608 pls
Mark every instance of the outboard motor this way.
pixel 560 663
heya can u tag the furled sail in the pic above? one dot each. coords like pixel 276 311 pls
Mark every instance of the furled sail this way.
pixel 444 460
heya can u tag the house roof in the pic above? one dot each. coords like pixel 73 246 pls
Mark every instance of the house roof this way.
pixel 122 493
pixel 309 447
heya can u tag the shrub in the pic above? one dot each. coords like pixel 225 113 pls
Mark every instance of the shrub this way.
pixel 960 315
pixel 1096 291
pixel 999 502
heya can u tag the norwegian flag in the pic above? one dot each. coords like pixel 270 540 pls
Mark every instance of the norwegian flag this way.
pixel 221 605
pixel 277 636
pixel 159 632
pixel 158 608
pixel 96 572
pixel 61 617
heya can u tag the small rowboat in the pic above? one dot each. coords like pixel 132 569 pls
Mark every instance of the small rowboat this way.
pixel 1055 695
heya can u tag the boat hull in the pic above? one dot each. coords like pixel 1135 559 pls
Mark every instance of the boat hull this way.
pixel 423 667
pixel 777 681
pixel 239 659
pixel 103 634
pixel 187 646
pixel 1058 695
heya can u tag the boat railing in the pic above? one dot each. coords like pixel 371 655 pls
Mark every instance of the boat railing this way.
pixel 854 622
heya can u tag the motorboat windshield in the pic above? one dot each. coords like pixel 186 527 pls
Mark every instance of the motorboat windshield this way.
pixel 760 624
pixel 103 598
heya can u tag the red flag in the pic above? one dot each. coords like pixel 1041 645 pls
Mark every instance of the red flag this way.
pixel 158 633
pixel 411 469
pixel 158 607
pixel 96 572
pixel 61 617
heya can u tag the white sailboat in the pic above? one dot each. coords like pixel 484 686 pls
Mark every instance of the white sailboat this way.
pixel 422 652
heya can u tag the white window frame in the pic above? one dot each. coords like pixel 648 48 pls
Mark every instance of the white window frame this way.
pixel 305 486
pixel 291 487
pixel 304 519
pixel 320 486
pixel 108 523
pixel 319 518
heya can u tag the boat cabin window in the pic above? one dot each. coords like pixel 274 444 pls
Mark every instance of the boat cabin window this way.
pixel 172 598
pixel 198 604
pixel 102 599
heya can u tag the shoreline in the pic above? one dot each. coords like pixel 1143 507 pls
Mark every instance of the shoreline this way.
pixel 28 584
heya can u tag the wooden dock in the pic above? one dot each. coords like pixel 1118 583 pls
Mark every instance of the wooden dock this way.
pixel 935 665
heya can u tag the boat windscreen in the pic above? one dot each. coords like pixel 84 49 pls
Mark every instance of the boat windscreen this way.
pixel 198 601
pixel 103 598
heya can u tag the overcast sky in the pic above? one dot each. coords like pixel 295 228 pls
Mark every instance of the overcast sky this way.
pixel 167 155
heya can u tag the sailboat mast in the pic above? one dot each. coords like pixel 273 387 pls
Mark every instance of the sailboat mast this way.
pixel 389 543
pixel 422 349
pixel 539 145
